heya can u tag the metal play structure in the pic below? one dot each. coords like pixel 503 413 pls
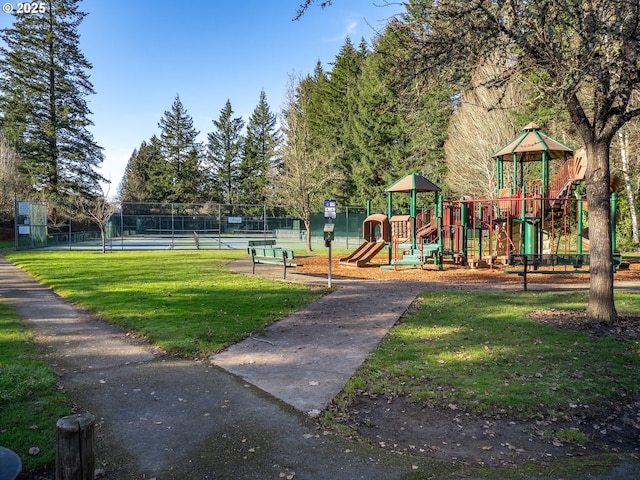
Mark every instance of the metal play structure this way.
pixel 533 222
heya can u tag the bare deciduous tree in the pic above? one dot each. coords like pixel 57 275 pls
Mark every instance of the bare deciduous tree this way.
pixel 629 164
pixel 478 127
pixel 307 168
pixel 99 210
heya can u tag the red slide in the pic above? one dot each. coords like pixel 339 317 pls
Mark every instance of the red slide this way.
pixel 363 254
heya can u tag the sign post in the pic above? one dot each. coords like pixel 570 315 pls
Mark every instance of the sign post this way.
pixel 329 235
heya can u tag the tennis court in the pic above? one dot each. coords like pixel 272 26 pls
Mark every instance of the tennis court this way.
pixel 203 241
pixel 162 226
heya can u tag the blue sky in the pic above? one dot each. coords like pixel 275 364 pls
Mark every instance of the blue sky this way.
pixel 145 52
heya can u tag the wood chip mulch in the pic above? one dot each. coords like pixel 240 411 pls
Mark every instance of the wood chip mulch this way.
pixel 625 325
pixel 318 265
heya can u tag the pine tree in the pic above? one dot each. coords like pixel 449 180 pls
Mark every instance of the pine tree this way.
pixel 180 149
pixel 160 185
pixel 380 133
pixel 43 84
pixel 133 181
pixel 258 153
pixel 336 98
pixel 424 106
pixel 224 154
pixel 146 175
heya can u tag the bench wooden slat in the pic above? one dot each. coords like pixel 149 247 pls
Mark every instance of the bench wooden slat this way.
pixel 261 243
pixel 275 252
pixel 272 255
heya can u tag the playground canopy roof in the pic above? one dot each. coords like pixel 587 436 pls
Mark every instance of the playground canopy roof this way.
pixel 411 182
pixel 530 144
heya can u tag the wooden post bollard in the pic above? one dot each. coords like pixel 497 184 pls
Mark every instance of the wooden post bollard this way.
pixel 75 447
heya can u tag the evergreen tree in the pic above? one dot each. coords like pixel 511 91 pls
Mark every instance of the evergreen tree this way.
pixel 259 150
pixel 380 133
pixel 224 154
pixel 425 107
pixel 43 84
pixel 159 186
pixel 146 175
pixel 337 101
pixel 191 184
pixel 179 148
pixel 133 181
pixel 428 117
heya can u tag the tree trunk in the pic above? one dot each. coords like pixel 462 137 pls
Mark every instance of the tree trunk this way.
pixel 307 226
pixel 623 142
pixel 601 305
pixel 103 237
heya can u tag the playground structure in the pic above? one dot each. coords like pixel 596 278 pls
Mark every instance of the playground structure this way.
pixel 531 222
pixel 375 231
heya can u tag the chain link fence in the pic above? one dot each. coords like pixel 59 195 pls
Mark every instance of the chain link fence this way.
pixel 135 226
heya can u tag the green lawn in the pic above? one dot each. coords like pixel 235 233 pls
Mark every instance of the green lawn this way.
pixel 186 302
pixel 29 401
pixel 476 350
pixel 480 352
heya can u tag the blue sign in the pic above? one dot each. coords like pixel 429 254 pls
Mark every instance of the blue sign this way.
pixel 329 209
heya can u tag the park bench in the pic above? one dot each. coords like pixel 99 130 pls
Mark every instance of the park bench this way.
pixel 262 243
pixel 531 264
pixel 266 252
pixel 247 231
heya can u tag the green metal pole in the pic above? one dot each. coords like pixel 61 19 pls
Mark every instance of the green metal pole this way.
pixel 580 225
pixel 413 210
pixel 463 218
pixel 479 230
pixel 440 230
pixel 545 174
pixel 515 174
pixel 390 214
pixel 614 206
pixel 523 218
pixel 368 207
pixel 522 172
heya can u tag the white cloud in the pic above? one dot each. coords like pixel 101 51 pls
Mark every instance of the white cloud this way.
pixel 348 31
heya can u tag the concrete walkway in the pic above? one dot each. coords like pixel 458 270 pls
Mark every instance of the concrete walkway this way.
pixel 306 358
pixel 167 418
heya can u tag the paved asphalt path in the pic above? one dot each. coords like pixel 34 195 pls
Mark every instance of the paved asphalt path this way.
pixel 166 418
pixel 246 413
